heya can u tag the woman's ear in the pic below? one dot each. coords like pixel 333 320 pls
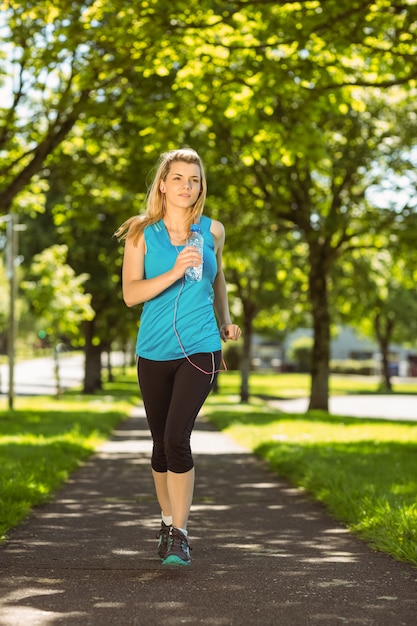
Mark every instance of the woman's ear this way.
pixel 162 187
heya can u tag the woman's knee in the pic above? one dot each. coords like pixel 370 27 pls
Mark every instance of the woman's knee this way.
pixel 159 460
pixel 178 454
pixel 174 454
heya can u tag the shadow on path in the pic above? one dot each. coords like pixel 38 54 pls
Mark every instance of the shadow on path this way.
pixel 262 554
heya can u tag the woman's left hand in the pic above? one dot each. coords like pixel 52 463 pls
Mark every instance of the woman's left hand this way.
pixel 230 331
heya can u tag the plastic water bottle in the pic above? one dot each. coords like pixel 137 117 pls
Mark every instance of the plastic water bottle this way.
pixel 196 239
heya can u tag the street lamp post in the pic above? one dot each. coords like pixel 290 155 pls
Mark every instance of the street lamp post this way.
pixel 12 243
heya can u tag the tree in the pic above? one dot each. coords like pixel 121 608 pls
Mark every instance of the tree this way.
pixel 57 297
pixel 65 61
pixel 259 265
pixel 87 99
pixel 377 294
pixel 304 111
pixel 87 206
pixel 278 95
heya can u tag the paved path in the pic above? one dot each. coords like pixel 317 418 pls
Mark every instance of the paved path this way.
pixel 35 377
pixel 263 555
pixel 394 407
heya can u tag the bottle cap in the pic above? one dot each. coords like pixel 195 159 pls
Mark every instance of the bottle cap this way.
pixel 195 228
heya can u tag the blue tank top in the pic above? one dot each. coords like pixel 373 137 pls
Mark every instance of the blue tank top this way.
pixel 183 314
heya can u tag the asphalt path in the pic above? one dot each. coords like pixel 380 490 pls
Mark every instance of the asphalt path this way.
pixel 263 554
pixel 36 376
pixel 394 407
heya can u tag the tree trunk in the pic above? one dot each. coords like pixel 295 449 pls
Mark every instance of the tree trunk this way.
pixel 110 377
pixel 319 393
pixel 384 338
pixel 57 374
pixel 92 371
pixel 246 359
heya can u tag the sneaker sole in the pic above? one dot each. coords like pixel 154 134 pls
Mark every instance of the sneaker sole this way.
pixel 173 559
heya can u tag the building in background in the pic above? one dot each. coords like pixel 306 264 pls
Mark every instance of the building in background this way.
pixel 346 345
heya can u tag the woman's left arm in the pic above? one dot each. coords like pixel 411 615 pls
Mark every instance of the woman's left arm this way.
pixel 228 330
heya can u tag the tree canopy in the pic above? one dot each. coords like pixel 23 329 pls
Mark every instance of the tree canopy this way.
pixel 297 108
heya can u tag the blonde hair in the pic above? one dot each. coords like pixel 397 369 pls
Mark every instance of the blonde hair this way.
pixel 155 199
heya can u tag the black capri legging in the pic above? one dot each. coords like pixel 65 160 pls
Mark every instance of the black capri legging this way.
pixel 173 393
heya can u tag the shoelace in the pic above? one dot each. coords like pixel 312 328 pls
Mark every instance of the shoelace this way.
pixel 176 537
pixel 162 532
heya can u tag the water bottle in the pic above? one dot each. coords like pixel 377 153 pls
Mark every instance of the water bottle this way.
pixel 196 239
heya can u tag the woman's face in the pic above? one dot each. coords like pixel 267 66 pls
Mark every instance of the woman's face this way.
pixel 182 185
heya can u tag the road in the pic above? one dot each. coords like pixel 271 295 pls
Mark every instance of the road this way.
pixel 36 376
pixel 394 407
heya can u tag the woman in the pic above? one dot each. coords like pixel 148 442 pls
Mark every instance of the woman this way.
pixel 178 346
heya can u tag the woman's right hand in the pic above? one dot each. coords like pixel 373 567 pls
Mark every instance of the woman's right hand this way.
pixel 187 257
pixel 136 288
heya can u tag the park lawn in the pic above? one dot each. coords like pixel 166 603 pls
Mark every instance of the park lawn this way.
pixel 43 440
pixel 298 385
pixel 364 471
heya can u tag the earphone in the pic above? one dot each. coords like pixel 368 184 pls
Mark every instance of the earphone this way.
pixel 174 325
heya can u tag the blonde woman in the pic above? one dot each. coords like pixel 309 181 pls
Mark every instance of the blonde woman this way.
pixel 178 346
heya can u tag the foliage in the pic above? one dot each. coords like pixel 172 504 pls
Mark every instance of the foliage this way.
pixel 383 304
pixel 363 367
pixel 70 61
pixel 299 352
pixel 297 120
pixel 297 109
pixel 57 295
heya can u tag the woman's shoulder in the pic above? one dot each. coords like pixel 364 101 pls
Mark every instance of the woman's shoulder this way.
pixel 217 229
pixel 214 226
pixel 153 227
pixel 217 233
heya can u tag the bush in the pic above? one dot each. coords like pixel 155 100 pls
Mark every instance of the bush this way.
pixel 300 353
pixel 367 367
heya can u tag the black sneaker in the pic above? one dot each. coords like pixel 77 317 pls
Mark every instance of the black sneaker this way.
pixel 162 537
pixel 178 552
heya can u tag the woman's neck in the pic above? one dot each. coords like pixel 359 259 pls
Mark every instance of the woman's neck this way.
pixel 176 219
pixel 177 228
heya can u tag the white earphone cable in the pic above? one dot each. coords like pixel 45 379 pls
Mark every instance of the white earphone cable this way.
pixel 213 371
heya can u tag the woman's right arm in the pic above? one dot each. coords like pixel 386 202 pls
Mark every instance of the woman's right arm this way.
pixel 136 288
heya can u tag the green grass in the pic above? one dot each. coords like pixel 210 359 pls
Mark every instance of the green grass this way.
pixel 43 440
pixel 298 385
pixel 364 471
